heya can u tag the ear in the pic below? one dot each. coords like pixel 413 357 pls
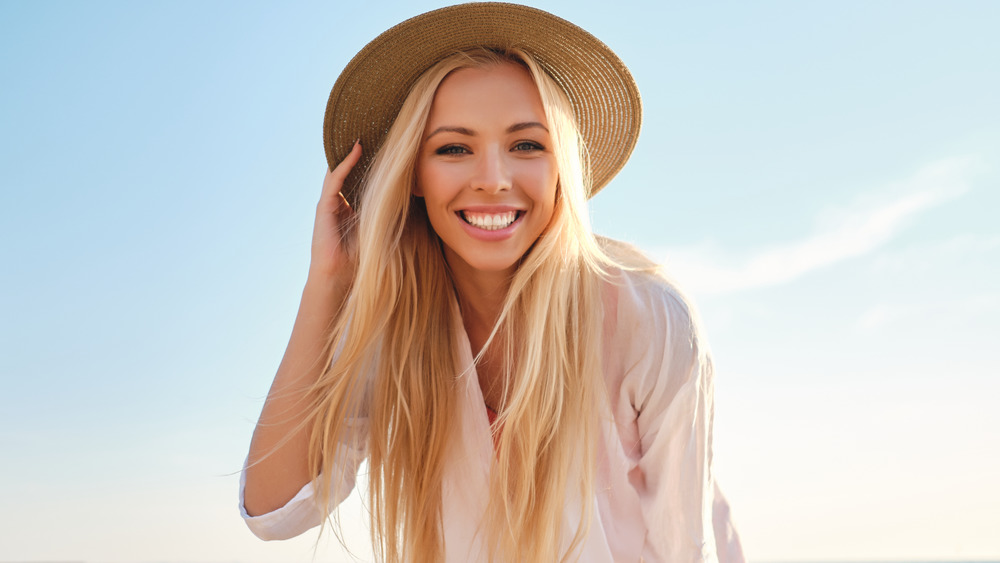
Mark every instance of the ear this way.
pixel 416 189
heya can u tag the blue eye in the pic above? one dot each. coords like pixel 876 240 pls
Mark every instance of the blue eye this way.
pixel 528 146
pixel 451 149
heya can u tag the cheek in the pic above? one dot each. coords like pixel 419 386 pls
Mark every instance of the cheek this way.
pixel 422 178
pixel 544 186
pixel 551 192
pixel 434 182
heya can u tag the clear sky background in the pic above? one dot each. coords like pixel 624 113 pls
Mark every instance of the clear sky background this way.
pixel 821 177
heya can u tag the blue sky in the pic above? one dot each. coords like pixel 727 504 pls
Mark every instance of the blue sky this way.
pixel 822 179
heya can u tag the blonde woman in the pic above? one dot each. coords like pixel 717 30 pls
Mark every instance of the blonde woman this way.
pixel 521 389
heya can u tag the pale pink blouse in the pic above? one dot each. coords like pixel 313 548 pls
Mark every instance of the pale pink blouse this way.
pixel 655 496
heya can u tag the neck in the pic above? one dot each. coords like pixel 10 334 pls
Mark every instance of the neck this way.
pixel 481 297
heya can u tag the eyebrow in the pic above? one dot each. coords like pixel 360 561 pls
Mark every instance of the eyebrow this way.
pixel 526 125
pixel 469 132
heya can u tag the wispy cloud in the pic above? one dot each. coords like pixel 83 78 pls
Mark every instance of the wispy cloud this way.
pixel 923 258
pixel 958 310
pixel 843 234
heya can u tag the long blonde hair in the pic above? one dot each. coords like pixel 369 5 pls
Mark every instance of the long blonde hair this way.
pixel 393 358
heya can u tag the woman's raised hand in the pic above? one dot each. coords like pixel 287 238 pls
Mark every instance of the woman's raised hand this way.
pixel 333 243
pixel 277 466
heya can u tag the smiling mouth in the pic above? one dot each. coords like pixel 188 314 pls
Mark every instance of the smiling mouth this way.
pixel 490 221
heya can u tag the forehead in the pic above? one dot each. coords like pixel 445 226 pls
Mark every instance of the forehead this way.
pixel 503 93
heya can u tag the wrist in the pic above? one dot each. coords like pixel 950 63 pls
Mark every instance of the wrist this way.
pixel 325 292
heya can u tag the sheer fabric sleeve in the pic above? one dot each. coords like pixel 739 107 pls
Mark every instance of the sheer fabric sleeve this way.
pixel 670 385
pixel 303 511
pixel 727 540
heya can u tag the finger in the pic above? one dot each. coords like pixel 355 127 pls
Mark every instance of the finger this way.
pixel 343 207
pixel 337 176
pixel 345 215
pixel 330 198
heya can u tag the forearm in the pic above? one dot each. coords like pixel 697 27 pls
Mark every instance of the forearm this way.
pixel 277 464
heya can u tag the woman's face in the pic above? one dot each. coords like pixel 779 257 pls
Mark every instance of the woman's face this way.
pixel 486 169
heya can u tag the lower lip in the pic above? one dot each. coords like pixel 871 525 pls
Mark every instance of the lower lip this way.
pixel 495 235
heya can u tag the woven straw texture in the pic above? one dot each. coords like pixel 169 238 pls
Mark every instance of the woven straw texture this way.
pixel 371 89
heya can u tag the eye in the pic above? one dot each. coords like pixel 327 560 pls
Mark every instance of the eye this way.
pixel 451 149
pixel 528 146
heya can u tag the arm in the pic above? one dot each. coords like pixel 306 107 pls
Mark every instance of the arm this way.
pixel 727 541
pixel 276 466
pixel 672 394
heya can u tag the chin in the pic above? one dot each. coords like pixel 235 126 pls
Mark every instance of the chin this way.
pixel 494 266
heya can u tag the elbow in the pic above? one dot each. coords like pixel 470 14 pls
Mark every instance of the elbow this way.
pixel 263 491
pixel 256 500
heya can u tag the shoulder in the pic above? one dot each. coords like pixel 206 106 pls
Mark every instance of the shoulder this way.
pixel 642 295
pixel 653 342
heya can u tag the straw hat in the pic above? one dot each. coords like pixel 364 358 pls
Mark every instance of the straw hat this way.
pixel 371 89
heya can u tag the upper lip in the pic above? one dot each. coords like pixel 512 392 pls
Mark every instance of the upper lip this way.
pixel 490 208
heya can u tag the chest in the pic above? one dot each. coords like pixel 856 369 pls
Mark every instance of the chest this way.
pixel 491 375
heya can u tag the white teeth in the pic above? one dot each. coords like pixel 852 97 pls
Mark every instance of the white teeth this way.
pixel 490 221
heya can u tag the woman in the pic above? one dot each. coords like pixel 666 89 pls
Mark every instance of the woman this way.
pixel 522 390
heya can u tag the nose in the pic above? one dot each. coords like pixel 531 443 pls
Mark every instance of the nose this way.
pixel 493 173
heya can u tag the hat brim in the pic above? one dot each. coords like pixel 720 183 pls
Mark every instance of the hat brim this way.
pixel 371 89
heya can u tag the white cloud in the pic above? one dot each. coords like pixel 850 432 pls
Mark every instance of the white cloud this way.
pixel 919 259
pixel 844 234
pixel 958 311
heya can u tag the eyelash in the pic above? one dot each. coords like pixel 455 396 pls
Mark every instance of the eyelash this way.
pixel 458 149
pixel 532 146
pixel 451 149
